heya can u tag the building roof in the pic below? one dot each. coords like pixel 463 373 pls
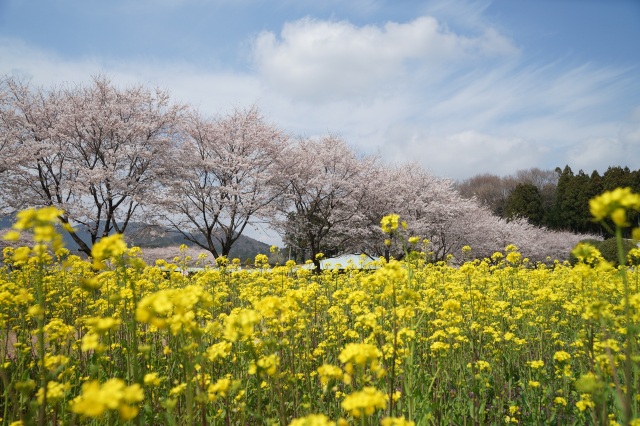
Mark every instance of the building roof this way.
pixel 352 261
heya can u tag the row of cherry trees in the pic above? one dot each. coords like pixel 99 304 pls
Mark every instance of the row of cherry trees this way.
pixel 109 156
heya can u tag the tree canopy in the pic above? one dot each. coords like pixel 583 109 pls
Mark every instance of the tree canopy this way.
pixel 107 156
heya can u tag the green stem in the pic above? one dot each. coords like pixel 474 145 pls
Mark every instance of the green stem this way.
pixel 628 400
pixel 395 350
pixel 42 411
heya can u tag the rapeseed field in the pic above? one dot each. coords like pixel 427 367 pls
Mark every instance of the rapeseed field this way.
pixel 487 341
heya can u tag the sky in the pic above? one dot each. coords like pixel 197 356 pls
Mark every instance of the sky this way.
pixel 463 87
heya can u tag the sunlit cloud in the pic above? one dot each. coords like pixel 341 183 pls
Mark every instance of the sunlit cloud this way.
pixel 460 101
pixel 327 60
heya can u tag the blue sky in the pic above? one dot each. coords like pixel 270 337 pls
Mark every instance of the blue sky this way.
pixel 463 87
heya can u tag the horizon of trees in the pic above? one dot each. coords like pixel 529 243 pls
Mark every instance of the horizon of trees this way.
pixel 108 156
pixel 555 199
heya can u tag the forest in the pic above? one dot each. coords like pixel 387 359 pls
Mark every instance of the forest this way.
pixel 556 199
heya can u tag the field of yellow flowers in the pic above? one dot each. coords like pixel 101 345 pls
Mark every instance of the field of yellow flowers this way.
pixel 491 341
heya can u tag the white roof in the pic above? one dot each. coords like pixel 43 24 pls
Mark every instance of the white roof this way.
pixel 354 261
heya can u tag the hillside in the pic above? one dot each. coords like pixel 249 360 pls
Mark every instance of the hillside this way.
pixel 153 237
pixel 146 236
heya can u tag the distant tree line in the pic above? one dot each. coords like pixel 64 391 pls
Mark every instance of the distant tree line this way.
pixel 110 156
pixel 556 199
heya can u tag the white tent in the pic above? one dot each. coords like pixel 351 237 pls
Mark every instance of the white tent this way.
pixel 351 261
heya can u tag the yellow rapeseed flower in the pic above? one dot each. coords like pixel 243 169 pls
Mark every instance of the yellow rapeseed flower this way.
pixel 261 261
pixel 56 329
pixel 561 356
pixel 266 364
pixel 114 394
pixel 42 221
pixel 240 324
pixel 389 223
pixel 219 389
pixel 12 236
pixel 328 372
pixel 91 342
pixel 585 402
pixel 218 351
pixel 313 420
pixel 614 205
pixel 536 364
pixel 55 392
pixel 586 253
pixel 102 325
pixel 359 353
pixel 27 219
pixel 111 246
pixel 558 400
pixel 152 379
pixel 396 421
pixel 364 402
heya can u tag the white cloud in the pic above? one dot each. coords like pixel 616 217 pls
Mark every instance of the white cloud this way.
pixel 622 148
pixel 213 92
pixel 326 60
pixel 459 104
pixel 592 153
pixel 19 59
pixel 467 153
pixel 509 94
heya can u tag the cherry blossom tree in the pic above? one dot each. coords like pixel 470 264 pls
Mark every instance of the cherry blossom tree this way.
pixel 27 120
pixel 95 151
pixel 429 205
pixel 383 186
pixel 107 156
pixel 433 209
pixel 324 190
pixel 8 135
pixel 6 125
pixel 24 240
pixel 189 256
pixel 484 232
pixel 228 178
pixel 487 233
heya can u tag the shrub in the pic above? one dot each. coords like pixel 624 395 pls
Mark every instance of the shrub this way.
pixel 609 249
pixel 595 243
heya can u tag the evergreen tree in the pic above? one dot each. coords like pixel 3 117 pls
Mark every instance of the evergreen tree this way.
pixel 565 176
pixel 618 177
pixel 525 202
pixel 595 188
pixel 579 207
pixel 571 209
